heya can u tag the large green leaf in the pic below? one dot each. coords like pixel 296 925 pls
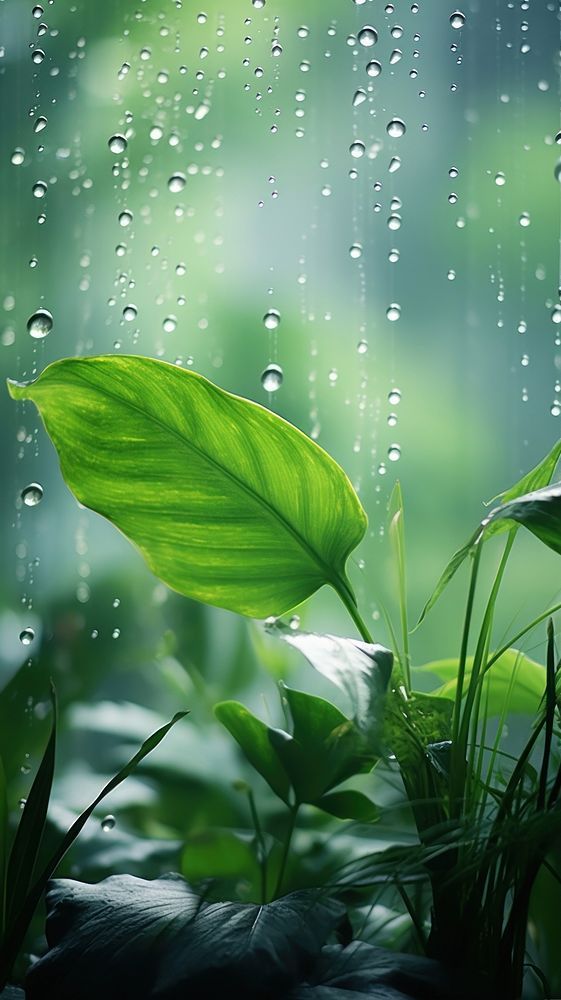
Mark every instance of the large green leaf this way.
pixel 361 669
pixel 130 938
pixel 228 503
pixel 539 512
pixel 514 683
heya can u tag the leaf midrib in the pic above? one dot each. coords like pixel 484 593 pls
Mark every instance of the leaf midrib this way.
pixel 272 511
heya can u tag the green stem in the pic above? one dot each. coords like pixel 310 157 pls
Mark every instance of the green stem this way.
pixel 458 761
pixel 287 841
pixel 344 591
pixel 261 848
pixel 519 635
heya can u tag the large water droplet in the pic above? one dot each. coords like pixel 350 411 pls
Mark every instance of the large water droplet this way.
pixel 457 19
pixel 355 251
pixel 524 219
pixel 177 182
pixel 272 319
pixel 393 312
pixel 394 453
pixel 360 96
pixel 394 164
pixel 37 56
pixel 40 324
pixel 374 68
pixel 37 11
pixel 39 189
pixel 169 324
pixel 26 636
pixel 394 397
pixel 367 36
pixel 117 143
pixel 395 128
pixel 500 179
pixel 17 157
pixel 32 494
pixel 271 378
pixel 357 149
pixel 130 313
pixel 259 4
pixel 108 823
pixel 40 123
pixel 396 57
pixel 125 218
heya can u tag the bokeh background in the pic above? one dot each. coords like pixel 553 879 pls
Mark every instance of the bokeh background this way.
pixel 414 276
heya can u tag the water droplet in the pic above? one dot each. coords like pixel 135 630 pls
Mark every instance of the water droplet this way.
pixel 360 96
pixel 37 56
pixel 374 68
pixel 556 315
pixel 169 324
pixel 394 397
pixel 37 11
pixel 367 36
pixel 394 453
pixel 557 171
pixel 108 823
pixel 394 222
pixel 17 157
pixel 362 346
pixel 177 182
pixel 395 128
pixel 393 256
pixel 272 377
pixel 355 251
pixel 117 143
pixel 555 408
pixel 272 319
pixel 453 172
pixel 524 219
pixel 457 19
pixel 393 312
pixel 156 132
pixel 40 123
pixel 32 494
pixel 394 164
pixel 39 189
pixel 130 313
pixel 500 179
pixel 357 149
pixel 525 360
pixel 40 324
pixel 395 57
pixel 259 4
pixel 125 218
pixel 26 636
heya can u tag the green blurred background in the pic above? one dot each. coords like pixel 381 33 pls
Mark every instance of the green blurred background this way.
pixel 257 108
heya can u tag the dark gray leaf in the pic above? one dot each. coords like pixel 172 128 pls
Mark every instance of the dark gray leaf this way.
pixel 130 938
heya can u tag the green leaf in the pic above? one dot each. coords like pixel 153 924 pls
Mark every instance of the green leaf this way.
pixel 536 479
pixel 325 749
pixel 349 804
pixel 27 841
pixel 22 918
pixel 253 736
pixel 362 670
pixel 127 937
pixel 514 683
pixel 227 502
pixel 539 512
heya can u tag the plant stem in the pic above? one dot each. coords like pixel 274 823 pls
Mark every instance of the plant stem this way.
pixel 345 593
pixel 287 841
pixel 458 761
pixel 261 848
pixel 519 635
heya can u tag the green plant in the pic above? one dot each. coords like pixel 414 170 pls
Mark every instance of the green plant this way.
pixel 233 506
pixel 24 871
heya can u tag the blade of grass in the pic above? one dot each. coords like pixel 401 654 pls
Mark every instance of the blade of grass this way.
pixel 3 848
pixel 550 706
pixel 18 928
pixel 27 841
pixel 397 536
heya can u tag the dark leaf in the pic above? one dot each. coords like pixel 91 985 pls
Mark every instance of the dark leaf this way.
pixel 129 938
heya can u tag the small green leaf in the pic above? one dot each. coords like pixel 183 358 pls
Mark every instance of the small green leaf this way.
pixel 326 747
pixel 253 736
pixel 539 512
pixel 163 942
pixel 349 804
pixel 536 479
pixel 362 670
pixel 227 502
pixel 514 683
